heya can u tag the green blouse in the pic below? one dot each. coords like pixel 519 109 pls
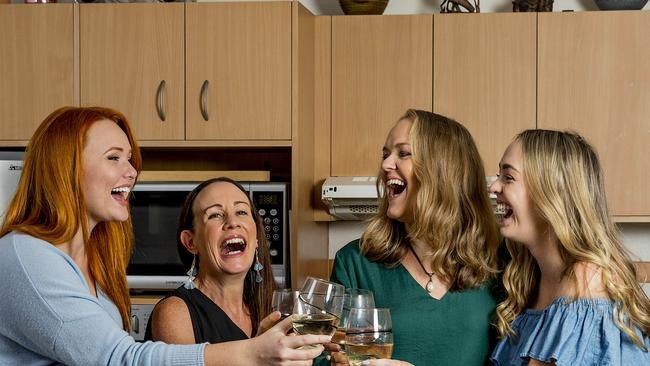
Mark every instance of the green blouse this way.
pixel 454 330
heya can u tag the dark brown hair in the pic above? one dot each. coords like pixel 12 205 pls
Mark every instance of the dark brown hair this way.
pixel 257 297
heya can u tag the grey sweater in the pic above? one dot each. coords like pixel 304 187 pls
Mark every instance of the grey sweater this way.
pixel 48 316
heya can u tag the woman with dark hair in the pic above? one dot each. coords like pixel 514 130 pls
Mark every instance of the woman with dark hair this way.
pixel 66 241
pixel 221 239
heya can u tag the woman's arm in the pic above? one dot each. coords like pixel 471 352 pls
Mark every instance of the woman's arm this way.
pixel 171 322
pixel 534 362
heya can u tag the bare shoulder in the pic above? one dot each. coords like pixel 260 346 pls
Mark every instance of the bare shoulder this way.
pixel 590 282
pixel 171 322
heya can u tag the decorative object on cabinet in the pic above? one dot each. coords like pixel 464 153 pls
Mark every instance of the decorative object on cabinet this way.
pixel 460 6
pixel 39 1
pixel 532 5
pixel 363 7
pixel 621 4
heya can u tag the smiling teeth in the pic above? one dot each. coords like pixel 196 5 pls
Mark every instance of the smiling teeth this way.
pixel 121 189
pixel 235 241
pixel 395 182
pixel 501 208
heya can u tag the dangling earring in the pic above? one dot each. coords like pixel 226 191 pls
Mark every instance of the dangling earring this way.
pixel 189 283
pixel 257 267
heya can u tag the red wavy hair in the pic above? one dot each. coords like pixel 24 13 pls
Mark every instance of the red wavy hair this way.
pixel 49 203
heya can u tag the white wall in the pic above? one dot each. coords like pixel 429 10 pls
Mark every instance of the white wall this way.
pixel 331 7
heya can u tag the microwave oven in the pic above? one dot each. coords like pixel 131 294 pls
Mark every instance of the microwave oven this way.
pixel 155 208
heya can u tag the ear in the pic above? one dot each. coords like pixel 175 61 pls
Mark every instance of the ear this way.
pixel 187 238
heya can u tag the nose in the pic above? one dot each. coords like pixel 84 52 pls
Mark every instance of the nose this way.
pixel 388 163
pixel 131 173
pixel 231 221
pixel 495 187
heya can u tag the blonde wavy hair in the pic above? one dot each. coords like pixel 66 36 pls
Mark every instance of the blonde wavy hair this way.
pixel 566 186
pixel 452 211
pixel 49 203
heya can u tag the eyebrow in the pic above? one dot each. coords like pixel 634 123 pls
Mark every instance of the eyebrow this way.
pixel 219 205
pixel 386 148
pixel 505 166
pixel 115 148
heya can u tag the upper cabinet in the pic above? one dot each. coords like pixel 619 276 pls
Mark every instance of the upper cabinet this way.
pixel 484 76
pixel 36 66
pixel 594 78
pixel 132 59
pixel 238 70
pixel 209 71
pixel 381 66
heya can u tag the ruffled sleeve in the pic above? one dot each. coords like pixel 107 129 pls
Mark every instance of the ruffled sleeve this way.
pixel 580 332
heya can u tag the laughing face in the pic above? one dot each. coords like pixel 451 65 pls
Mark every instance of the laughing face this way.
pixel 108 175
pixel 224 234
pixel 401 186
pixel 521 222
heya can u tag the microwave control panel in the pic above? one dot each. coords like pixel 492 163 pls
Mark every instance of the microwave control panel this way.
pixel 271 203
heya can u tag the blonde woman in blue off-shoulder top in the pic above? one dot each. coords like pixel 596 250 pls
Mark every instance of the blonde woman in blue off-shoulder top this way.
pixel 572 298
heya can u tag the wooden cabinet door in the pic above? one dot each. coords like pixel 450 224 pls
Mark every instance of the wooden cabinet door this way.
pixel 484 77
pixel 127 52
pixel 594 78
pixel 238 71
pixel 36 66
pixel 381 66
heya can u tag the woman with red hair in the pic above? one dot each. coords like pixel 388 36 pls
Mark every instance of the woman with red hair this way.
pixel 66 242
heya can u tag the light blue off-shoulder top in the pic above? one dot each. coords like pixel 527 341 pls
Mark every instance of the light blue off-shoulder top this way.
pixel 580 332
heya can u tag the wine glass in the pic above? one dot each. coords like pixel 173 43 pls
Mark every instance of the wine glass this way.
pixel 318 308
pixel 369 335
pixel 353 298
pixel 284 301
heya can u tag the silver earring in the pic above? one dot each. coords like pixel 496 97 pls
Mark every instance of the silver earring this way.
pixel 257 267
pixel 189 283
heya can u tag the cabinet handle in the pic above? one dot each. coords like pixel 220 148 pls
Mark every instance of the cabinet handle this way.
pixel 160 100
pixel 204 100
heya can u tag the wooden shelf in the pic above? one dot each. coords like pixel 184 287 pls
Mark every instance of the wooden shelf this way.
pixel 201 175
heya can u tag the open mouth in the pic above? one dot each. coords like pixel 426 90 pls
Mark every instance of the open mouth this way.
pixel 395 187
pixel 120 193
pixel 233 246
pixel 503 210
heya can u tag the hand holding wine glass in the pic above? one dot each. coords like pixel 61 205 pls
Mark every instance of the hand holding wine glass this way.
pixel 369 335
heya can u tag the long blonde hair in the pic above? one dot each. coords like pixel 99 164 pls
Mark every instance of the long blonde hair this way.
pixel 49 203
pixel 566 186
pixel 452 211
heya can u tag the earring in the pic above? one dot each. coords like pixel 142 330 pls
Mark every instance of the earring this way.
pixel 257 267
pixel 189 283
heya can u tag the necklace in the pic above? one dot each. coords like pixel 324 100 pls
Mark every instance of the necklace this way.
pixel 429 286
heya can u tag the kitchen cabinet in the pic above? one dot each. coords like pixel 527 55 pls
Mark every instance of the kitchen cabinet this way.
pixel 593 78
pixel 380 67
pixel 36 67
pixel 484 77
pixel 243 52
pixel 209 71
pixel 132 60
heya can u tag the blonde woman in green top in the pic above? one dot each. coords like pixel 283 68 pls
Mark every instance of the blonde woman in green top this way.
pixel 430 253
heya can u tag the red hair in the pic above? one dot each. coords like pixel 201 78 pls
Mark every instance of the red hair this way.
pixel 49 202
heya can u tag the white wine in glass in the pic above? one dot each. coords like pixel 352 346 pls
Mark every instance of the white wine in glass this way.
pixel 353 298
pixel 318 308
pixel 369 335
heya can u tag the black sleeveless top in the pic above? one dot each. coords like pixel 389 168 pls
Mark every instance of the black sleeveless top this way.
pixel 209 322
